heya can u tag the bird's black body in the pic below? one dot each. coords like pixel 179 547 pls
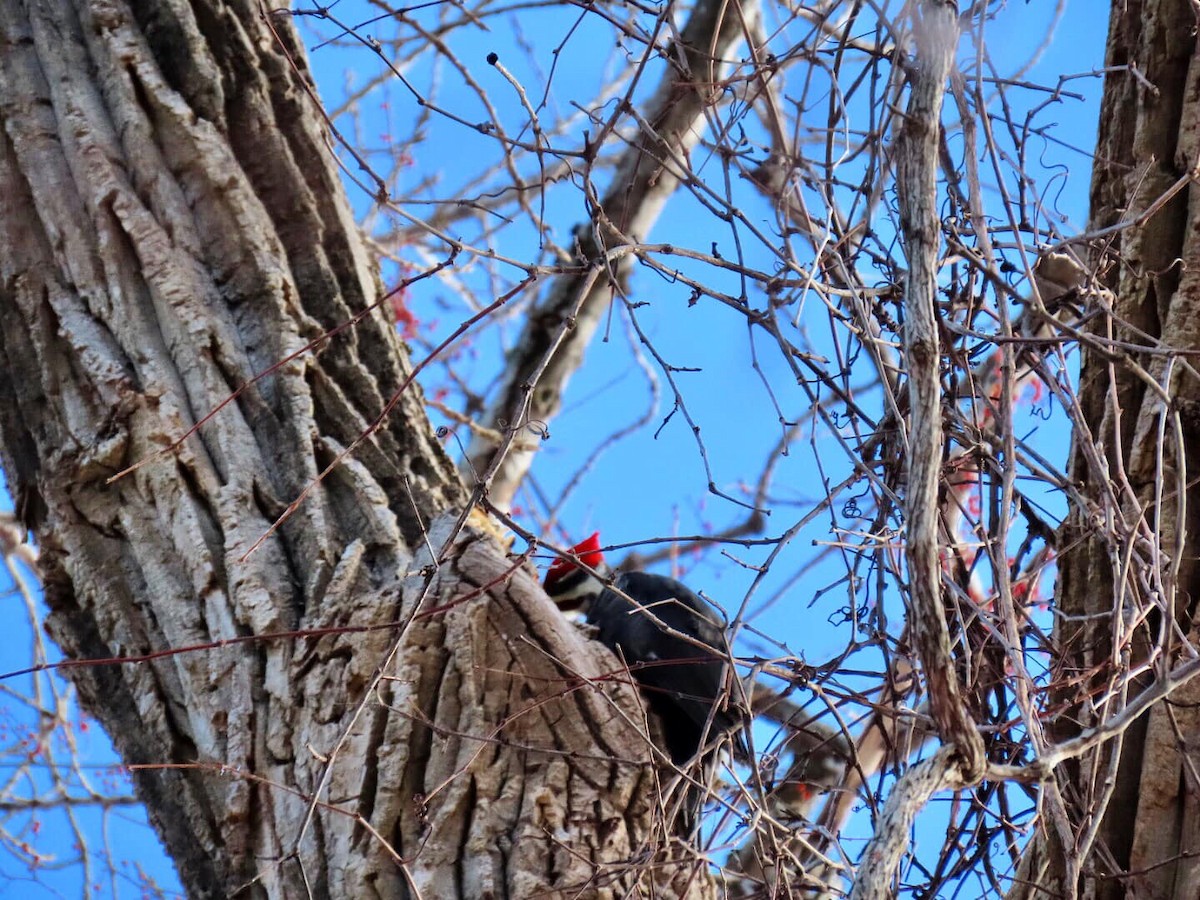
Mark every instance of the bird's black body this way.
pixel 674 644
pixel 672 640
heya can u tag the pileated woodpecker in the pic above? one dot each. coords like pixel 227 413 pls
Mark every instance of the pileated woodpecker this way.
pixel 672 640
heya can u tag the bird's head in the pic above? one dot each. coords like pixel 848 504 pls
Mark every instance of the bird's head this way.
pixel 572 587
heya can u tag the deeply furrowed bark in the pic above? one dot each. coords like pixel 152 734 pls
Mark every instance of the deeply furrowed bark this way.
pixel 173 224
pixel 1140 788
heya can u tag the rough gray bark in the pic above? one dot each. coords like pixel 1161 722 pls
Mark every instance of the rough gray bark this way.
pixel 173 224
pixel 1134 828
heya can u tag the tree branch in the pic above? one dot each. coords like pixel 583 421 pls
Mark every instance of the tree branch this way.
pixel 935 30
pixel 648 173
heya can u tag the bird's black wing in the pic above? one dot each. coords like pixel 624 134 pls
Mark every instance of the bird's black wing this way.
pixel 682 678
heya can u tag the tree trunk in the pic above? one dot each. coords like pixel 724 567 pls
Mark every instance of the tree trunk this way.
pixel 173 223
pixel 1130 547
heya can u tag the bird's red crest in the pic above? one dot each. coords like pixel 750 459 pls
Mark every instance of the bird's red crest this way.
pixel 587 551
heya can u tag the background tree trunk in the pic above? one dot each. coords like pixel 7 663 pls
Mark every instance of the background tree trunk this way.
pixel 1134 805
pixel 173 224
